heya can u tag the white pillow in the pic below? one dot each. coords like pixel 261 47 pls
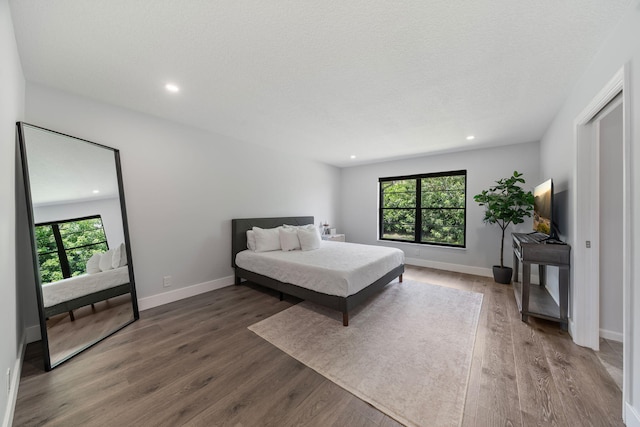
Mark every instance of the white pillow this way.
pixel 251 240
pixel 93 263
pixel 119 256
pixel 309 239
pixel 267 239
pixel 123 260
pixel 106 260
pixel 295 227
pixel 289 239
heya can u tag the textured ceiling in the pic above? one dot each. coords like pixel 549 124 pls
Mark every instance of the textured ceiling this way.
pixel 324 79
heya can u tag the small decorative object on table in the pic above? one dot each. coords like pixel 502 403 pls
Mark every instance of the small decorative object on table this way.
pixel 325 228
pixel 333 237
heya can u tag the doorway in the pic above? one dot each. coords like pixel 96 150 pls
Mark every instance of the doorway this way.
pixel 608 125
pixel 602 200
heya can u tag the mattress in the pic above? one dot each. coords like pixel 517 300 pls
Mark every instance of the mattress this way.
pixel 336 268
pixel 67 289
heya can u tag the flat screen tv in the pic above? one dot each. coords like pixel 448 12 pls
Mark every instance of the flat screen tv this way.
pixel 543 209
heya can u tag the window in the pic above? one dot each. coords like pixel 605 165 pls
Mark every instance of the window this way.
pixel 428 208
pixel 65 246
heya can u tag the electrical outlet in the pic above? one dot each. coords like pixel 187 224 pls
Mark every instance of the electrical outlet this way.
pixel 8 380
pixel 166 281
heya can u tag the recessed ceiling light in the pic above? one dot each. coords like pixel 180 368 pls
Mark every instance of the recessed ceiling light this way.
pixel 172 88
pixel 353 156
pixel 96 191
pixel 470 137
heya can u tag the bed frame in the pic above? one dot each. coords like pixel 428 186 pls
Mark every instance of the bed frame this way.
pixel 239 229
pixel 69 306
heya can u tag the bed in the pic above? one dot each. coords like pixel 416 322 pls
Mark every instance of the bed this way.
pixel 353 292
pixel 69 294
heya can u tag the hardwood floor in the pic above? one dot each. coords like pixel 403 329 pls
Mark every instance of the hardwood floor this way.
pixel 194 362
pixel 610 356
pixel 91 323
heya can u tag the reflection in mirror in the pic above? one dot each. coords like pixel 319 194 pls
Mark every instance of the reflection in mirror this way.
pixel 81 255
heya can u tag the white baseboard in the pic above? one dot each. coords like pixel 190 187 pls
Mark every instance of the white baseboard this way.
pixel 631 416
pixel 460 268
pixel 571 330
pixel 611 335
pixel 182 293
pixel 15 383
pixel 32 333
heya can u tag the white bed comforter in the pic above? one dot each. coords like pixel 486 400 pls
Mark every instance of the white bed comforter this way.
pixel 335 268
pixel 67 289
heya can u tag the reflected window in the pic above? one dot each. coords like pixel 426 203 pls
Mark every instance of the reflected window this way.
pixel 65 246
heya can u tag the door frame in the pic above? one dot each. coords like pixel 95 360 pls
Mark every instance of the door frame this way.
pixel 585 319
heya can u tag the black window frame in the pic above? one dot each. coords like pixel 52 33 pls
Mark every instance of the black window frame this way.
pixel 61 251
pixel 418 207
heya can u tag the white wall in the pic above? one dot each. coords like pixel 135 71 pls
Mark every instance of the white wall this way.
pixel 11 110
pixel 557 147
pixel 108 209
pixel 359 203
pixel 183 186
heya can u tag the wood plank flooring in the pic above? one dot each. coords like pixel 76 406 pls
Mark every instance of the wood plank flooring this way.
pixel 194 362
pixel 91 323
pixel 610 356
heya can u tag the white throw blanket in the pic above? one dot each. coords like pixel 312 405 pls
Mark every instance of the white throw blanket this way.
pixel 335 268
pixel 67 289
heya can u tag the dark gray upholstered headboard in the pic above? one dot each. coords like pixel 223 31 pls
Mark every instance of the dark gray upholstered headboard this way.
pixel 239 229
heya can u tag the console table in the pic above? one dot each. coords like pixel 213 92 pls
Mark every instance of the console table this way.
pixel 535 300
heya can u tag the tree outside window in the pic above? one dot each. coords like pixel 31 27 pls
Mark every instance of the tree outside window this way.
pixel 65 246
pixel 426 208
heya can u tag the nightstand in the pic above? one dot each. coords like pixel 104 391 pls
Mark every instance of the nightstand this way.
pixel 333 237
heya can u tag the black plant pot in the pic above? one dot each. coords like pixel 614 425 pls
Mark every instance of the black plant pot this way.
pixel 502 274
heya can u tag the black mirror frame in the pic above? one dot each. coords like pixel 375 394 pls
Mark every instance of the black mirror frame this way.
pixel 30 218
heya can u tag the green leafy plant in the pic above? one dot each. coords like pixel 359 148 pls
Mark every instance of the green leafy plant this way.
pixel 506 203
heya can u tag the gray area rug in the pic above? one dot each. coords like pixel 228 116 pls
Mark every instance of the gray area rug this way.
pixel 406 351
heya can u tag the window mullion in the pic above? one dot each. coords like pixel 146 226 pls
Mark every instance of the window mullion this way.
pixel 62 254
pixel 381 211
pixel 418 223
pixel 88 245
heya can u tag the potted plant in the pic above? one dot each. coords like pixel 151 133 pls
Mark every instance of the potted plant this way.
pixel 505 203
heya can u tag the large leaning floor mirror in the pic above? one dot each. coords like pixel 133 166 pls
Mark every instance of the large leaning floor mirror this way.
pixel 80 241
